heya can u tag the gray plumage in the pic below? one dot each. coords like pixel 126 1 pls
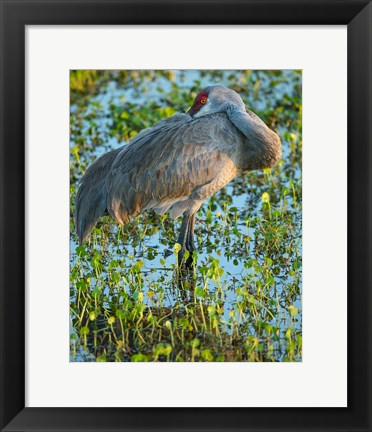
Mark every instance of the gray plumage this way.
pixel 178 163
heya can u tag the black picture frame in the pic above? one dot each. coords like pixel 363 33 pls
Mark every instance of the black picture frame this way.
pixel 15 15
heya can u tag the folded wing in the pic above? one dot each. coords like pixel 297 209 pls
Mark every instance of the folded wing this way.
pixel 175 164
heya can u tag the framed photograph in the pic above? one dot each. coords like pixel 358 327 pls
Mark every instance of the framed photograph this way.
pixel 185 228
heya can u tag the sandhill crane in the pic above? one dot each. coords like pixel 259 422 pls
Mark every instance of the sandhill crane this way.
pixel 177 164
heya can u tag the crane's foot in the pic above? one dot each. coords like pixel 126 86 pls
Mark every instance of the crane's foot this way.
pixel 185 262
pixel 190 245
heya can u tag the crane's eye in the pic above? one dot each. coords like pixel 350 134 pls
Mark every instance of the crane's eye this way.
pixel 203 101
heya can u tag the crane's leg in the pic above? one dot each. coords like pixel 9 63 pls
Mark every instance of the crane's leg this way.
pixel 186 237
pixel 183 236
pixel 190 245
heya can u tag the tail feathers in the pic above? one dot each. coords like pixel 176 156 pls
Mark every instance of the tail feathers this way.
pixel 90 203
pixel 89 207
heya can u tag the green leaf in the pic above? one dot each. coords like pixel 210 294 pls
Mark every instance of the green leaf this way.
pixel 207 355
pixel 293 311
pixel 84 331
pixel 139 358
pixel 195 343
pixel 101 359
pixel 265 197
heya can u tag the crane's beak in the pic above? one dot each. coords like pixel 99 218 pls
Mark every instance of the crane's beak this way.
pixel 190 111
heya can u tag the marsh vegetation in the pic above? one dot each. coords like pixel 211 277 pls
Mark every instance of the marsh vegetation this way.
pixel 241 301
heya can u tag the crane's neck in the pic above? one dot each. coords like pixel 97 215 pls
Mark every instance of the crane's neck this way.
pixel 261 147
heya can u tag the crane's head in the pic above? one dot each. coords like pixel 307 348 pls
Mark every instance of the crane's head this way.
pixel 215 99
